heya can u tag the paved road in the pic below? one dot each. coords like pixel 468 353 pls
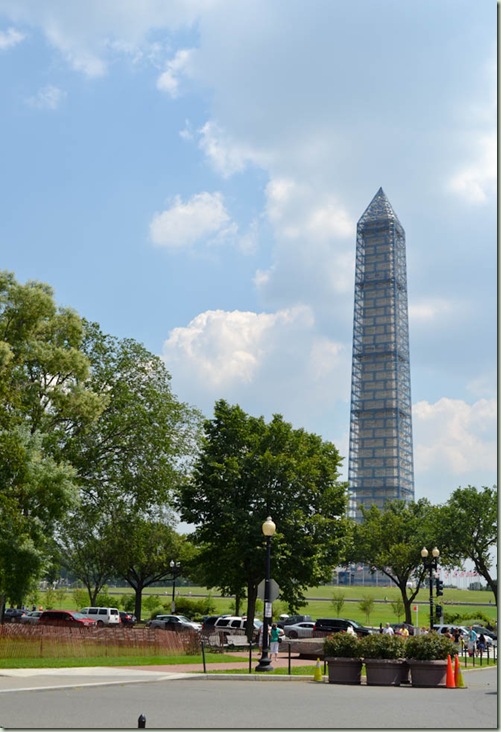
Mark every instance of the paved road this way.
pixel 114 699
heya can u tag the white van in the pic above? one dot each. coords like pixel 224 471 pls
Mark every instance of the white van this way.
pixel 103 615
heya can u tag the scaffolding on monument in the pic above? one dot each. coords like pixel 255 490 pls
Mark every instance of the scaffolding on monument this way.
pixel 380 466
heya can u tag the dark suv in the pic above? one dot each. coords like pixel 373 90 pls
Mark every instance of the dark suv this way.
pixel 327 626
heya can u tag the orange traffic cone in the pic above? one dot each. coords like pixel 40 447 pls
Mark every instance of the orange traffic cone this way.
pixel 458 676
pixel 449 679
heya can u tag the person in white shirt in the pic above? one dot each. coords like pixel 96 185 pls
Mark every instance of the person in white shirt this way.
pixel 388 630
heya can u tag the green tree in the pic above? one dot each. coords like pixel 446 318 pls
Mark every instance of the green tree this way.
pixel 44 400
pixel 391 540
pixel 468 527
pixel 249 470
pixel 142 549
pixel 398 608
pixel 337 601
pixel 129 463
pixel 145 440
pixel 84 548
pixel 366 605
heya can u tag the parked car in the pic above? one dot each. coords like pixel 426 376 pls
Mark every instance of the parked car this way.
pixel 173 622
pixel 103 615
pixel 127 618
pixel 66 618
pixel 299 630
pixel 31 617
pixel 236 625
pixel 326 626
pixel 13 615
pixel 293 619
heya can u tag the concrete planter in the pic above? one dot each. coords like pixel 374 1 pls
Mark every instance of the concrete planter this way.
pixel 385 671
pixel 344 670
pixel 428 673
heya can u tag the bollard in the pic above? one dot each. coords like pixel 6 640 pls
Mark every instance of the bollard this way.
pixel 141 722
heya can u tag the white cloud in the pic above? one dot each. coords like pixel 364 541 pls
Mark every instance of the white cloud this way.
pixel 168 81
pixel 298 210
pixel 476 182
pixel 431 309
pixel 267 362
pixel 90 34
pixel 225 155
pixel 314 253
pixel 49 97
pixel 204 216
pixel 10 38
pixel 456 437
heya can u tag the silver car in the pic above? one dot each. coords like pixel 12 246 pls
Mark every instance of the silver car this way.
pixel 299 630
pixel 31 617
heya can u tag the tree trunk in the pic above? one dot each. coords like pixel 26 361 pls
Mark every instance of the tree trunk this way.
pixel 138 599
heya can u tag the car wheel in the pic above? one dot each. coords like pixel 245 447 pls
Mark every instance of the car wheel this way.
pixel 293 634
pixel 100 623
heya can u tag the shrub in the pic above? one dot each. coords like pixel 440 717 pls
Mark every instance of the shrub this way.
pixel 342 645
pixel 429 647
pixel 128 603
pixel 193 608
pixel 381 645
pixel 151 602
pixel 80 597
pixel 104 599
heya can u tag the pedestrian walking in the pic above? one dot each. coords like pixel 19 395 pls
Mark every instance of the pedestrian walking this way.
pixel 472 641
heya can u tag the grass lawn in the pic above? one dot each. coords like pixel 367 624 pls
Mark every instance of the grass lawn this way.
pixel 68 662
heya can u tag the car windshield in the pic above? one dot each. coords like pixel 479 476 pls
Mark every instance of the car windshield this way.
pixel 183 619
pixel 78 616
pixel 258 623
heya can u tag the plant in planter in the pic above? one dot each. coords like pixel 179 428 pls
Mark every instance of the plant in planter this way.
pixel 384 659
pixel 427 658
pixel 344 658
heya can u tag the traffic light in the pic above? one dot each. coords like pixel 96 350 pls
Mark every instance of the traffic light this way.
pixel 438 611
pixel 439 586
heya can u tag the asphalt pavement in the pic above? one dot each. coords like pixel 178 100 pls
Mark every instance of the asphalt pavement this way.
pixel 114 698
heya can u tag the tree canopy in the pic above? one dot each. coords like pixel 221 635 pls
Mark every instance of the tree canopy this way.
pixel 391 540
pixel 129 464
pixel 44 399
pixel 249 470
pixel 468 526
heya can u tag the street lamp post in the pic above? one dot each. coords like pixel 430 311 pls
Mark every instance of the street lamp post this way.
pixel 175 568
pixel 268 529
pixel 431 565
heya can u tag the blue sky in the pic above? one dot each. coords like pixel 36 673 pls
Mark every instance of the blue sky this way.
pixel 190 174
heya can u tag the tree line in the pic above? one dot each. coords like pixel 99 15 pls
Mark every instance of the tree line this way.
pixel 99 461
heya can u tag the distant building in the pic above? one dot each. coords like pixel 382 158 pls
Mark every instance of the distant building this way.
pixel 380 465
